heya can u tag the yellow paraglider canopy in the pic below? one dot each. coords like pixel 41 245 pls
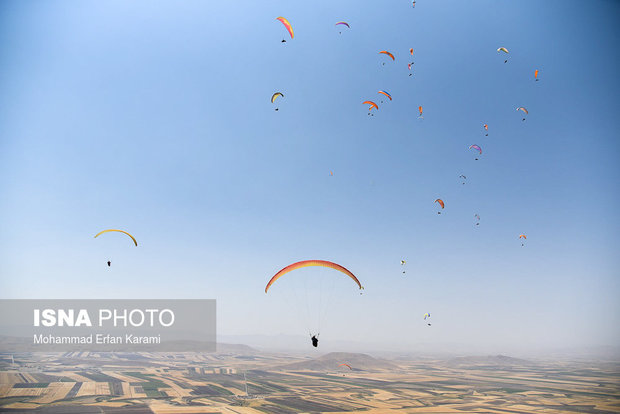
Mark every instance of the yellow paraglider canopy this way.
pixel 120 231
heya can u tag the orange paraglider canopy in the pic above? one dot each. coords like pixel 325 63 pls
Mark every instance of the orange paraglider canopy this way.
pixel 388 53
pixel 306 263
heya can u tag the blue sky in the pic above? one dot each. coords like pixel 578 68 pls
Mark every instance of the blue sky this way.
pixel 155 118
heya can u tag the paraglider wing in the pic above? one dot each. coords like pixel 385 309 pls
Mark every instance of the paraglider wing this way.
pixel 503 49
pixel 441 203
pixel 346 365
pixel 306 263
pixel 372 105
pixel 522 109
pixel 409 66
pixel 287 25
pixel 427 315
pixel 536 74
pixel 120 231
pixel 486 127
pixel 523 236
pixel 476 147
pixel 420 109
pixel 386 94
pixel 411 51
pixel 388 53
pixel 275 95
pixel 343 23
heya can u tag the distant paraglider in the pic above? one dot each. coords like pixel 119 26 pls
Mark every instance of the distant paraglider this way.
pixel 441 203
pixel 274 97
pixel 477 148
pixel 342 24
pixel 109 262
pixel 464 178
pixel 402 263
pixel 477 217
pixel 524 111
pixel 486 128
pixel 385 52
pixel 536 75
pixel 372 105
pixel 288 27
pixel 524 237
pixel 386 94
pixel 503 49
pixel 426 316
pixel 420 111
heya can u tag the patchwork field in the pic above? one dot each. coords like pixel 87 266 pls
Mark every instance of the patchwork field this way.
pixel 215 383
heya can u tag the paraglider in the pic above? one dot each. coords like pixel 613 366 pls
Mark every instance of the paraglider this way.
pixel 307 263
pixel 420 110
pixel 441 203
pixel 476 147
pixel 120 231
pixel 477 217
pixel 315 340
pixel 536 75
pixel 524 237
pixel 464 178
pixel 524 110
pixel 386 94
pixel 346 365
pixel 427 315
pixel 411 51
pixel 409 66
pixel 503 49
pixel 372 105
pixel 486 128
pixel 288 27
pixel 343 24
pixel 385 52
pixel 331 173
pixel 402 263
pixel 275 96
pixel 109 262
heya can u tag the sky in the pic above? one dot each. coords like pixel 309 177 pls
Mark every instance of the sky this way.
pixel 155 118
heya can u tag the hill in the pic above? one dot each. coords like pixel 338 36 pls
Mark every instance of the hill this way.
pixel 489 360
pixel 331 361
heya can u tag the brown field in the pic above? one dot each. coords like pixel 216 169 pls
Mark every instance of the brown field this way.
pixel 214 383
